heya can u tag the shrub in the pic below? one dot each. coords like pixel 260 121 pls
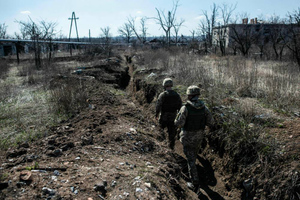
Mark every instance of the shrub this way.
pixel 5 66
pixel 69 97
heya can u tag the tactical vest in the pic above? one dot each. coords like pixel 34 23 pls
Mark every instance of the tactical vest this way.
pixel 196 119
pixel 171 102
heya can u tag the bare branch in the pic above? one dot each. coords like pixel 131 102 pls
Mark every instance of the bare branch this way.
pixel 3 31
pixel 166 22
pixel 126 31
pixel 226 12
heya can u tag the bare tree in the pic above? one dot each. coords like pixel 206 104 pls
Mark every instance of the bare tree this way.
pixel 293 38
pixel 243 37
pixel 3 28
pixel 204 30
pixel 144 28
pixel 107 40
pixel 37 32
pixel 23 35
pixel 177 26
pixel 18 46
pixel 262 39
pixel 166 22
pixel 32 30
pixel 207 25
pixel 226 13
pixel 48 33
pixel 126 31
pixel 277 35
pixel 194 42
pixel 141 37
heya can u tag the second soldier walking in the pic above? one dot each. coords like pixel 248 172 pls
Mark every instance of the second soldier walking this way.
pixel 192 119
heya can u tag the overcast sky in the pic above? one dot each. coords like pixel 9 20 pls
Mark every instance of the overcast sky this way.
pixel 96 14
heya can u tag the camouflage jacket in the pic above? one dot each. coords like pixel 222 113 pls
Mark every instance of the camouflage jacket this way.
pixel 189 136
pixel 167 105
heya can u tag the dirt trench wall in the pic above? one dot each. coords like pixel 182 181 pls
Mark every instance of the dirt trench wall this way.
pixel 110 71
pixel 144 92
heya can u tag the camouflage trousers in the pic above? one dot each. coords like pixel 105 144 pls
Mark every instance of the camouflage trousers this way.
pixel 191 141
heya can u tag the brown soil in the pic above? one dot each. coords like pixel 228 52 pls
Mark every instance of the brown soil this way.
pixel 114 150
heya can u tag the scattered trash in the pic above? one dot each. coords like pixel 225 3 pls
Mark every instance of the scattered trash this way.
pixel 190 185
pixel 41 171
pixel 151 75
pixel 79 71
pixel 26 176
pixel 114 183
pixel 48 191
pixel 101 197
pixel 56 173
pixel 133 130
pixel 92 107
pixel 262 116
pixel 148 185
pixel 251 125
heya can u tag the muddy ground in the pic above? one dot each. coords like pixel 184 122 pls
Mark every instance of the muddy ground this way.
pixel 114 149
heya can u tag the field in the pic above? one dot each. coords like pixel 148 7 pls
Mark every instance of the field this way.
pixel 83 127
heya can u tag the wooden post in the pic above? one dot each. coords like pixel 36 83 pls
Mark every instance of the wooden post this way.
pixel 17 49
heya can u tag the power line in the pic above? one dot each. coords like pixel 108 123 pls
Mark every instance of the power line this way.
pixel 73 18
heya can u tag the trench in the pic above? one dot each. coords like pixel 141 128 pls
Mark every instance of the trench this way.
pixel 111 71
pixel 145 93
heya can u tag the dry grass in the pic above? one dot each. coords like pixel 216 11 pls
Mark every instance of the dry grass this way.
pixel 69 97
pixel 29 107
pixel 5 66
pixel 274 83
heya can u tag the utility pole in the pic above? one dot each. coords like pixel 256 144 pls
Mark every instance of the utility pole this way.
pixel 73 18
pixel 89 35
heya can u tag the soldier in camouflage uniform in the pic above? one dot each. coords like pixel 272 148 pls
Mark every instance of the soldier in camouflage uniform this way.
pixel 192 119
pixel 167 105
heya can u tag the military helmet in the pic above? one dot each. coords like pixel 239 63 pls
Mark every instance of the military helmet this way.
pixel 193 90
pixel 168 82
